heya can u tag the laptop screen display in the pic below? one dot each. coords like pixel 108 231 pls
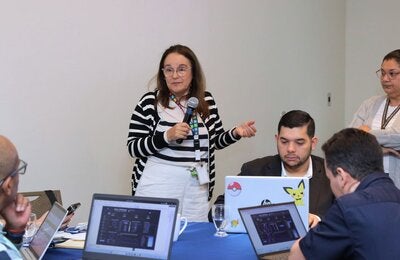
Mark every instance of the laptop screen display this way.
pixel 129 226
pixel 49 227
pixel 273 228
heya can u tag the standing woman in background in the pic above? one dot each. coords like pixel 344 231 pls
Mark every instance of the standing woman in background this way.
pixel 380 116
pixel 165 167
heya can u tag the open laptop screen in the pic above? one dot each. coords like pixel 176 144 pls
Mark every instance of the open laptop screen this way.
pixel 273 228
pixel 46 231
pixel 127 226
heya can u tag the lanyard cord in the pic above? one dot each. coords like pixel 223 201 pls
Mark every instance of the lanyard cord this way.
pixel 173 98
pixel 194 125
pixel 385 121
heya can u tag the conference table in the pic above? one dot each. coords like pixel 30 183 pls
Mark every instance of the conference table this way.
pixel 196 242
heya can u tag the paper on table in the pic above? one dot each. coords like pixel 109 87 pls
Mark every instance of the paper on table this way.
pixel 74 240
pixel 78 244
pixel 79 236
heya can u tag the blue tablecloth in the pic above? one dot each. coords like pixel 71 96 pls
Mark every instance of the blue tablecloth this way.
pixel 196 242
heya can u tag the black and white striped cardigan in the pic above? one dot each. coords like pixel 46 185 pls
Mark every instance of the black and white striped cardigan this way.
pixel 144 141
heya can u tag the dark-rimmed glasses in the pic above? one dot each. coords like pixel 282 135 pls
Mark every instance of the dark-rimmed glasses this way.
pixel 391 74
pixel 181 71
pixel 20 170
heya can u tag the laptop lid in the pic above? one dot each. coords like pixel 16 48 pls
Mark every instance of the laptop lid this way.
pixel 273 228
pixel 247 191
pixel 45 233
pixel 130 227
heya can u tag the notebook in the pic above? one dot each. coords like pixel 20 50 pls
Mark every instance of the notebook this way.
pixel 273 228
pixel 130 227
pixel 45 233
pixel 247 191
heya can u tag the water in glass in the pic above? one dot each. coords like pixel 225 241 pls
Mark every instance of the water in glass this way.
pixel 219 212
pixel 30 229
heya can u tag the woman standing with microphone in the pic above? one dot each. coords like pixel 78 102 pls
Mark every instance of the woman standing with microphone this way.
pixel 174 158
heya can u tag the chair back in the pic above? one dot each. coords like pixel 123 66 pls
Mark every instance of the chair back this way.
pixel 42 201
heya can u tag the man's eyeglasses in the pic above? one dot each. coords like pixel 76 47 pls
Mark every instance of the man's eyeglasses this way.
pixel 391 74
pixel 20 170
pixel 181 71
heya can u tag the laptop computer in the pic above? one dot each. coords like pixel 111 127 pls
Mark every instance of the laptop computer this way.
pixel 273 228
pixel 44 235
pixel 247 191
pixel 130 227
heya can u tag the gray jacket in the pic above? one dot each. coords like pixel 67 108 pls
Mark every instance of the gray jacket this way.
pixel 389 137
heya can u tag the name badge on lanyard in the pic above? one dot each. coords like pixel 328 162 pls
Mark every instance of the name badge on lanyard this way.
pixel 202 173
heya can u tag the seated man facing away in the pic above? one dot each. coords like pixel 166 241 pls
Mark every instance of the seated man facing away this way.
pixel 14 208
pixel 295 141
pixel 364 221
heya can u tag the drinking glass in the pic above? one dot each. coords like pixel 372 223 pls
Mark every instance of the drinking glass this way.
pixel 219 214
pixel 30 229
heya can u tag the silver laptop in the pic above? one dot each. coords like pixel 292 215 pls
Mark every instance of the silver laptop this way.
pixel 273 228
pixel 130 227
pixel 45 233
pixel 248 191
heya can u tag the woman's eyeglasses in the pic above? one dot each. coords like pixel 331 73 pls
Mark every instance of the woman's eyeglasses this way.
pixel 180 71
pixel 391 74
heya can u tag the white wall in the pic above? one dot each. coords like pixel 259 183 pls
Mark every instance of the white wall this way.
pixel 72 71
pixel 372 31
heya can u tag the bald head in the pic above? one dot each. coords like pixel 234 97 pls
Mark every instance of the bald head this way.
pixel 8 157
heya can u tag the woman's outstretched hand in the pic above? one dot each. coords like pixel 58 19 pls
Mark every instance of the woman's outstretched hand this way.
pixel 246 129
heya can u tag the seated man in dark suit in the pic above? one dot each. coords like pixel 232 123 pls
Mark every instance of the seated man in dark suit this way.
pixel 295 142
pixel 363 222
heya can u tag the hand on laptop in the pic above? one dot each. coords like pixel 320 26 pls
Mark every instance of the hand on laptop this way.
pixel 65 223
pixel 16 214
pixel 313 220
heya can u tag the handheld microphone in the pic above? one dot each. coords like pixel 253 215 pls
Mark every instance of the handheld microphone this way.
pixel 192 104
